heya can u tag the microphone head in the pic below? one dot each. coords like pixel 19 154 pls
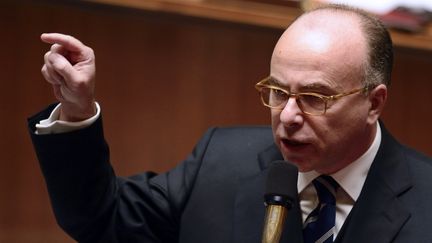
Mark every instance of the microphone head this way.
pixel 281 184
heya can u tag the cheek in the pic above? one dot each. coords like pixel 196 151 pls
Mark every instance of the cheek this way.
pixel 277 127
pixel 322 133
pixel 343 129
pixel 328 130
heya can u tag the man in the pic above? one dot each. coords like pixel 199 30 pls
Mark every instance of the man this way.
pixel 326 90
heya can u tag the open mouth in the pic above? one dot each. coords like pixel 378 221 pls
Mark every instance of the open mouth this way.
pixel 293 143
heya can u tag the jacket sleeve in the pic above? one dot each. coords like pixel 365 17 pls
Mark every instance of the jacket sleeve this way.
pixel 93 205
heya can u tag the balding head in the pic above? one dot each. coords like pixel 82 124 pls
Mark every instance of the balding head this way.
pixel 349 34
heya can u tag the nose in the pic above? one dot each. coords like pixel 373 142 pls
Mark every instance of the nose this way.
pixel 291 115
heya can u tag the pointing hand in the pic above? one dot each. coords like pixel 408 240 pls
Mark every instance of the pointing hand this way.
pixel 70 68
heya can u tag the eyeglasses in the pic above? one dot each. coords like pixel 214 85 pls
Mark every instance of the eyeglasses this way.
pixel 309 103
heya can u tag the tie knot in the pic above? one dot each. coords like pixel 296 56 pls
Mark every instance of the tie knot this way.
pixel 326 188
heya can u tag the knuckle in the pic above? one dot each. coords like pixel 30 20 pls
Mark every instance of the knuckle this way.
pixel 70 39
pixel 60 66
pixel 55 47
pixel 89 52
pixel 47 54
pixel 45 70
pixel 45 73
pixel 81 82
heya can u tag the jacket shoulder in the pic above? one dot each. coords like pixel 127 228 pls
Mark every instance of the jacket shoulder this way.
pixel 242 136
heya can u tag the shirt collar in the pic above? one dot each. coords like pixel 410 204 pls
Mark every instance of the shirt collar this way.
pixel 352 177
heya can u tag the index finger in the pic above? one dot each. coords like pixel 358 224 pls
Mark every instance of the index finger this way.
pixel 68 42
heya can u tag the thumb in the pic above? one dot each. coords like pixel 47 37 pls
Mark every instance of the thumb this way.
pixel 62 66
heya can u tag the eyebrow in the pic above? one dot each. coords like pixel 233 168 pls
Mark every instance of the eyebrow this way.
pixel 275 82
pixel 319 87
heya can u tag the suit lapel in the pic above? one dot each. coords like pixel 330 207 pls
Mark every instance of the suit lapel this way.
pixel 378 215
pixel 249 209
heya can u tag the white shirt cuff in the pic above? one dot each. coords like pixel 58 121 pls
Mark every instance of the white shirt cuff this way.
pixel 53 125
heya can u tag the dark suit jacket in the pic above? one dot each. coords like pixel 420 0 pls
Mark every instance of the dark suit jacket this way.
pixel 216 194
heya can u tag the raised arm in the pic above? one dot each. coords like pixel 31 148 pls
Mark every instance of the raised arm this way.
pixel 90 202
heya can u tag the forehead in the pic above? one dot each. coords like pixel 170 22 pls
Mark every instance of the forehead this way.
pixel 320 49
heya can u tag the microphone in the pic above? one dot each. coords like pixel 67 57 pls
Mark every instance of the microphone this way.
pixel 280 194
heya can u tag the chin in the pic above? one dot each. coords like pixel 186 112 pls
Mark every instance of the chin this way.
pixel 301 164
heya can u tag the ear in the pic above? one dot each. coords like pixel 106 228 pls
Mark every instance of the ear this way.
pixel 377 98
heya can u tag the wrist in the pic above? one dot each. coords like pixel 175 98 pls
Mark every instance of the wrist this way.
pixel 76 113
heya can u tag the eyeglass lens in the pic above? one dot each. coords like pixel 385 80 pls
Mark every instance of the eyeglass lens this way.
pixel 308 103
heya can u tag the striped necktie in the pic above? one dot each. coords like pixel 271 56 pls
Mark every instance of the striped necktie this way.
pixel 319 226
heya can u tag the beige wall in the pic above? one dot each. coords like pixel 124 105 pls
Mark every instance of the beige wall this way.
pixel 162 81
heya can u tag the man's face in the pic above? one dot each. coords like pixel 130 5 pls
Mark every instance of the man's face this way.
pixel 326 61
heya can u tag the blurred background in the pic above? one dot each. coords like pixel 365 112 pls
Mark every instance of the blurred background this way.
pixel 166 71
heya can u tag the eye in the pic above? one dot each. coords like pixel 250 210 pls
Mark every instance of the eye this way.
pixel 276 97
pixel 310 101
pixel 278 94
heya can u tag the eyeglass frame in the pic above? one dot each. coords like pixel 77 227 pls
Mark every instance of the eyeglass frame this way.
pixel 261 84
